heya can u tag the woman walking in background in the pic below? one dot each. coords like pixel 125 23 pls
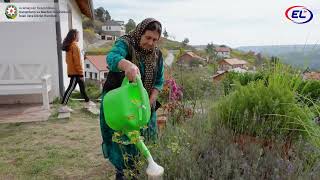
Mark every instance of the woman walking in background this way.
pixel 75 70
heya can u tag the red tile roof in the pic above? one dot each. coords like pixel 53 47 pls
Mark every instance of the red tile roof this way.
pixel 222 49
pixel 235 61
pixel 312 76
pixel 99 62
pixel 194 55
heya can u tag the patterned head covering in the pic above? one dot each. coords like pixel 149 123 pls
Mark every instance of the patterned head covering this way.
pixel 147 56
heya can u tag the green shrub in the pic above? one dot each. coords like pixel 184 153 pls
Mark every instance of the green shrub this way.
pixel 98 51
pixel 310 89
pixel 201 148
pixel 269 108
pixel 92 89
pixel 89 35
pixel 243 79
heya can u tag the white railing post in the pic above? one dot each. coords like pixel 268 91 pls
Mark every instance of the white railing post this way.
pixel 45 92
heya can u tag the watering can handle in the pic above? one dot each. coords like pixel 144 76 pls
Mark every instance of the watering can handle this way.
pixel 125 81
pixel 141 88
pixel 142 111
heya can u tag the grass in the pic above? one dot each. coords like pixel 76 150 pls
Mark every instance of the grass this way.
pixel 55 149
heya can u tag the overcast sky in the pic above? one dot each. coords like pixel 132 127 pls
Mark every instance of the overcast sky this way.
pixel 230 22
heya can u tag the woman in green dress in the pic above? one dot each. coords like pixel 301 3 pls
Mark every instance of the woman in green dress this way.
pixel 132 55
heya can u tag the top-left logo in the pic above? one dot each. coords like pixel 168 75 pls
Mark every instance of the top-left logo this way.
pixel 11 12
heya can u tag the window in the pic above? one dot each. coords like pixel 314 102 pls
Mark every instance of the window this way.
pixel 88 66
pixel 90 75
pixel 85 74
pixel 105 75
pixel 96 75
pixel 6 1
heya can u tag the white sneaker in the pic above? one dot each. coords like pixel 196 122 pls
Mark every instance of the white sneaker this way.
pixel 65 109
pixel 90 104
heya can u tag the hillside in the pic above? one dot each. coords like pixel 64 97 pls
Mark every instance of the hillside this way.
pixel 171 44
pixel 298 55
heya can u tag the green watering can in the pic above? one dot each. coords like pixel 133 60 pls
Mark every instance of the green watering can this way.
pixel 127 109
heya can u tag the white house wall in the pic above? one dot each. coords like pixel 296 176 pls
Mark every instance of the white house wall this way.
pixel 31 44
pixel 76 24
pixel 92 69
pixel 35 43
pixel 113 28
pixel 102 74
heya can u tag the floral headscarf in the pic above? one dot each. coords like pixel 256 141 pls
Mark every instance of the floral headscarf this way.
pixel 147 56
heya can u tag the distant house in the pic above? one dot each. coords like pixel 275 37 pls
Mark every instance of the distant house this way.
pixel 112 30
pixel 190 59
pixel 228 64
pixel 223 52
pixel 219 76
pixel 311 76
pixel 96 68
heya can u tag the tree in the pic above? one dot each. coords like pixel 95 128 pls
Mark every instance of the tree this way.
pixel 165 34
pixel 102 15
pixel 107 16
pixel 87 23
pixel 185 42
pixel 209 48
pixel 179 54
pixel 97 26
pixel 259 61
pixel 131 25
pixel 210 51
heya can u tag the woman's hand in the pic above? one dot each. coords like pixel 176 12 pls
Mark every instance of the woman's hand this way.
pixel 132 72
pixel 130 69
pixel 153 97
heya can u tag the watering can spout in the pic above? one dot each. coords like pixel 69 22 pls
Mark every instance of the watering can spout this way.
pixel 154 170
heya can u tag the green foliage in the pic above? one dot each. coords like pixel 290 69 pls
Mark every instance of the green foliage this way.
pixel 195 82
pixel 164 52
pixel 165 34
pixel 131 25
pixel 233 78
pixel 98 51
pixel 92 89
pixel 89 35
pixel 101 14
pixel 91 24
pixel 202 149
pixel 87 22
pixel 249 56
pixel 172 45
pixel 310 89
pixel 211 52
pixel 185 42
pixel 269 107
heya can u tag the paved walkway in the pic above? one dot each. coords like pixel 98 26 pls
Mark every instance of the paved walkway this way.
pixel 23 113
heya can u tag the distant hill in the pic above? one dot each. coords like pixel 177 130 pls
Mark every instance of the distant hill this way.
pixel 171 44
pixel 298 55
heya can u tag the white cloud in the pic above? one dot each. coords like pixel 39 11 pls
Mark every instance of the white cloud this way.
pixel 235 23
